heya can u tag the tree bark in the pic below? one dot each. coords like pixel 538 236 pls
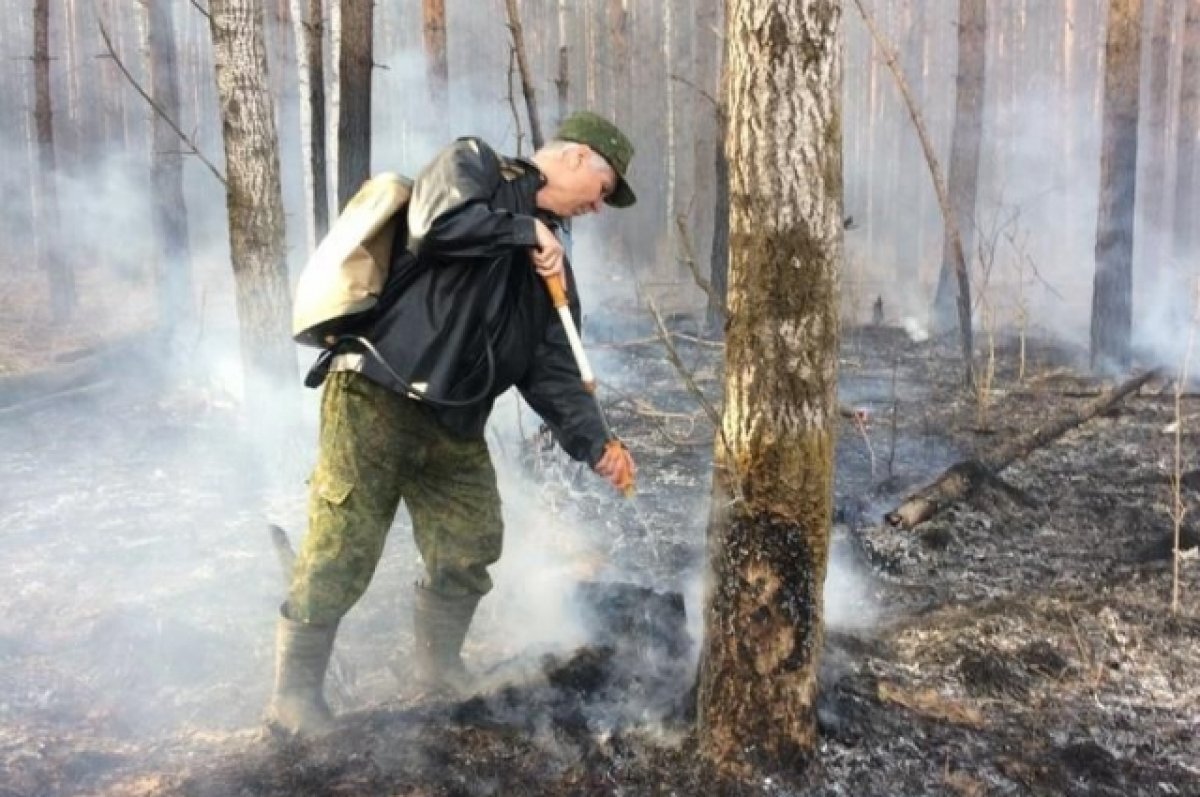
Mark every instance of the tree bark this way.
pixel 620 83
pixel 437 69
pixel 353 22
pixel 1185 241
pixel 562 81
pixel 60 275
pixel 1112 292
pixel 964 153
pixel 309 26
pixel 962 478
pixel 1154 145
pixel 714 315
pixel 174 272
pixel 255 205
pixel 768 548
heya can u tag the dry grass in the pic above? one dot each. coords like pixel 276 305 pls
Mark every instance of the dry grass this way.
pixel 108 308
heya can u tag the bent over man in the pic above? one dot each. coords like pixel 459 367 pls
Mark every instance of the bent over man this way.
pixel 465 316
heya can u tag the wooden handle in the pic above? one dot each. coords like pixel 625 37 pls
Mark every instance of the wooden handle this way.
pixel 558 294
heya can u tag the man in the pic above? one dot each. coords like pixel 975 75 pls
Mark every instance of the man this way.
pixel 404 418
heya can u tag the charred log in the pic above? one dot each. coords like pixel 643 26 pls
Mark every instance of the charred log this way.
pixel 963 478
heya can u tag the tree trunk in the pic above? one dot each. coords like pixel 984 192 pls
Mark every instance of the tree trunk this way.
pixel 1112 294
pixel 353 22
pixel 1154 144
pixel 255 205
pixel 618 33
pixel 1185 241
pixel 50 259
pixel 437 69
pixel 309 26
pixel 174 272
pixel 714 316
pixel 562 81
pixel 769 546
pixel 964 153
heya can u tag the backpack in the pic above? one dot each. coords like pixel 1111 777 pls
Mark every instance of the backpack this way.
pixel 341 283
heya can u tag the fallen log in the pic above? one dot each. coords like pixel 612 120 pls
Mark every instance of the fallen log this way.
pixel 961 479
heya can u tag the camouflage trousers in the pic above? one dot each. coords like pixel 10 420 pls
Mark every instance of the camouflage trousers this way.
pixel 376 449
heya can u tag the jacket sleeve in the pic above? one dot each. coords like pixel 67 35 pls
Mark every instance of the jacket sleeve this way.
pixel 554 390
pixel 449 213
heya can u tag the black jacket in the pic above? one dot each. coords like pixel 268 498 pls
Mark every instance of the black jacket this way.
pixel 466 283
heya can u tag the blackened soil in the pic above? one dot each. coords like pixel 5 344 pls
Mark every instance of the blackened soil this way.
pixel 1021 642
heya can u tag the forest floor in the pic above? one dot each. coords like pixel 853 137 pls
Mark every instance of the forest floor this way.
pixel 1021 642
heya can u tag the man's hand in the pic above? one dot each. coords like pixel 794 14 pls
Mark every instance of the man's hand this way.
pixel 617 466
pixel 548 255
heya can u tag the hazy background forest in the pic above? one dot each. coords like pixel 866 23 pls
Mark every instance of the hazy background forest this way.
pixel 654 68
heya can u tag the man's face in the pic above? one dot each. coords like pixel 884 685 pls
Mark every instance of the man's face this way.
pixel 580 184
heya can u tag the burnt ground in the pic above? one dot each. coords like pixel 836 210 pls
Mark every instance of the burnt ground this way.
pixel 1021 642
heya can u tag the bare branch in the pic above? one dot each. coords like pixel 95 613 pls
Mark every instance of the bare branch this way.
pixel 713 416
pixel 157 109
pixel 943 196
pixel 681 79
pixel 199 8
pixel 689 257
pixel 514 25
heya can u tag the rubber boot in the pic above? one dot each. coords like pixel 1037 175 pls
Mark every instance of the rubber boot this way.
pixel 302 652
pixel 440 624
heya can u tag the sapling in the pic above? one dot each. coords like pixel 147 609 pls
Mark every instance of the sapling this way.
pixel 1177 507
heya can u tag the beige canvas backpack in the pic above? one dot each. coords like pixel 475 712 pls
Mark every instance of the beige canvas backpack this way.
pixel 342 280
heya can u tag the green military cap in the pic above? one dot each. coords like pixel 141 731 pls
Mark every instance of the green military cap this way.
pixel 585 127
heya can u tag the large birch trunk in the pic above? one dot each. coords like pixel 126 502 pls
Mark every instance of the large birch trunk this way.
pixel 1112 293
pixel 769 532
pixel 255 205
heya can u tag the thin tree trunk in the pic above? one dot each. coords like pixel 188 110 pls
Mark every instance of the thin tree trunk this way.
pixel 714 316
pixel 1185 245
pixel 668 53
pixel 1112 294
pixel 309 26
pixel 437 68
pixel 964 153
pixel 618 34
pixel 50 258
pixel 768 548
pixel 562 82
pixel 353 22
pixel 1154 144
pixel 255 205
pixel 939 184
pixel 166 171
